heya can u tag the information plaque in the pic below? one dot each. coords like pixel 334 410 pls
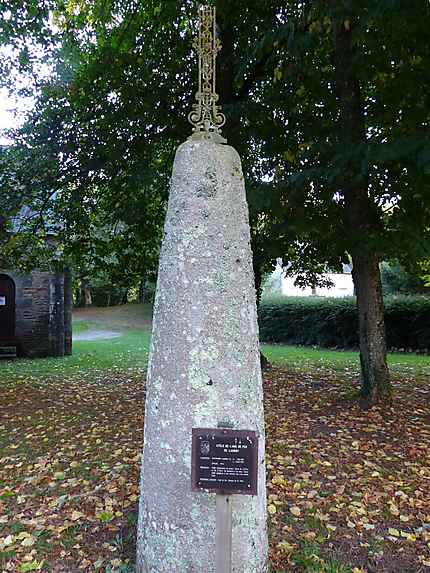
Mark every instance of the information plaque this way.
pixel 224 461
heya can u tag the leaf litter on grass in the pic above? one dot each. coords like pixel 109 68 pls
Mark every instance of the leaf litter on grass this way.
pixel 351 487
pixel 69 468
pixel 348 490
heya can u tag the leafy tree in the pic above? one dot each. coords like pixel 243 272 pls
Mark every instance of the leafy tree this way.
pixel 353 163
pixel 396 279
pixel 98 185
pixel 9 203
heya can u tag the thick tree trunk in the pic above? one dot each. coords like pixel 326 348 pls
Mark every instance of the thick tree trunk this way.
pixel 362 220
pixel 373 352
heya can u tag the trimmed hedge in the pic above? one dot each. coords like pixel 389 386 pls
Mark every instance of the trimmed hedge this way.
pixel 333 322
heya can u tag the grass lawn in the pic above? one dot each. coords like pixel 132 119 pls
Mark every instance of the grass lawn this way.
pixel 132 348
pixel 348 490
pixel 304 357
pixel 119 354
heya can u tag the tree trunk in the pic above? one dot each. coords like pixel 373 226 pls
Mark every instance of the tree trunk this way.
pixel 258 278
pixel 362 220
pixel 373 352
pixel 86 296
pixel 141 295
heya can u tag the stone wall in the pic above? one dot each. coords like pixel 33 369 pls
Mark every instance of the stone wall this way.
pixel 41 322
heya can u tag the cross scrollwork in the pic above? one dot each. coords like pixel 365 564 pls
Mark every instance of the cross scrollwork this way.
pixel 206 116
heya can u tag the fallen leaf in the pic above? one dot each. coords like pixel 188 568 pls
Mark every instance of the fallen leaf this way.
pixel 271 509
pixel 295 511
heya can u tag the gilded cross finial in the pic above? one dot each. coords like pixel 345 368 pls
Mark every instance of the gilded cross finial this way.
pixel 206 117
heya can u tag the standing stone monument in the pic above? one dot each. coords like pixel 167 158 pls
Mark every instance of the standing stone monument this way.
pixel 204 366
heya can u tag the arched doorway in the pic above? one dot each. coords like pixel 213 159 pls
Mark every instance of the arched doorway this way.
pixel 7 308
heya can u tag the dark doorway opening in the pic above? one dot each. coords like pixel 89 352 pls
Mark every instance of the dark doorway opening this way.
pixel 7 308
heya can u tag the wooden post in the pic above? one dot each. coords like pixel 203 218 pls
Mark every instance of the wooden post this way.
pixel 223 533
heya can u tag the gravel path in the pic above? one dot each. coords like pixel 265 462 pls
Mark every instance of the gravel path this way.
pixel 97 335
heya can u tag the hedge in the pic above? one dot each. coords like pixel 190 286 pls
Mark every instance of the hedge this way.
pixel 333 322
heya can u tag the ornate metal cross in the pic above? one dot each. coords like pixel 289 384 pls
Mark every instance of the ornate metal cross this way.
pixel 206 117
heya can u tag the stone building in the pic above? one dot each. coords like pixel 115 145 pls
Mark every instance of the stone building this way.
pixel 35 314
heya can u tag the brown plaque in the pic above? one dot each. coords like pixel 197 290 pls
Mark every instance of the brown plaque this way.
pixel 224 461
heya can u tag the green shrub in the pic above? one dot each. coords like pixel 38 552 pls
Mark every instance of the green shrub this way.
pixel 333 322
pixel 397 280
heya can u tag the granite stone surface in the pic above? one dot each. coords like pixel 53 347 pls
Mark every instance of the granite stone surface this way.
pixel 204 366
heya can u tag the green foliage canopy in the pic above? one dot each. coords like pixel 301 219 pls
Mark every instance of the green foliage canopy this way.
pixel 113 109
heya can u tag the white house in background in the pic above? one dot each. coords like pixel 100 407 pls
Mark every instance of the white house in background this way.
pixel 278 283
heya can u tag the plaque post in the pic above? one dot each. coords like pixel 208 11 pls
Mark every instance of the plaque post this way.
pixel 223 536
pixel 223 533
pixel 224 461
